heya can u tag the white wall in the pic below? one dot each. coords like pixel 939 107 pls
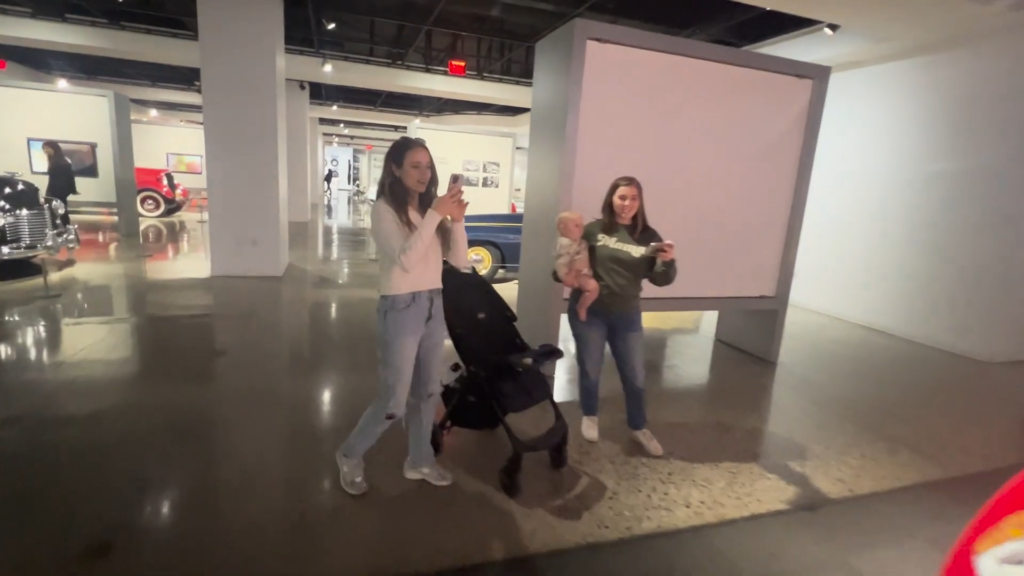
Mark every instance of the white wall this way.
pixel 152 143
pixel 915 220
pixel 451 149
pixel 57 116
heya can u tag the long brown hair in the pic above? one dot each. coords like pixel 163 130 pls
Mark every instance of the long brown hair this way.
pixel 58 153
pixel 608 221
pixel 390 189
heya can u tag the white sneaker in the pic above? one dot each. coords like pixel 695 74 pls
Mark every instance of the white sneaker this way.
pixel 648 441
pixel 352 475
pixel 589 429
pixel 434 474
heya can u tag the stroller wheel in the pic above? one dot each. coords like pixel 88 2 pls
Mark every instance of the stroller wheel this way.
pixel 508 478
pixel 437 440
pixel 509 483
pixel 559 454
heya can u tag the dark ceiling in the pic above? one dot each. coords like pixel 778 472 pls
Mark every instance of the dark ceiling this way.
pixel 495 37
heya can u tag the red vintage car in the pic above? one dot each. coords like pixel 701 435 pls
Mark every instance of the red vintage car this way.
pixel 158 194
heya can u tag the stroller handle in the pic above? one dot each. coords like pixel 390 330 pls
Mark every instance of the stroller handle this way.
pixel 538 356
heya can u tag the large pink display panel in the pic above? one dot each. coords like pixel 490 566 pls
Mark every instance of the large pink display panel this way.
pixel 718 160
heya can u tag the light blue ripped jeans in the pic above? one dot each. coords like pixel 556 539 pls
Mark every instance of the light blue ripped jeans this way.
pixel 410 348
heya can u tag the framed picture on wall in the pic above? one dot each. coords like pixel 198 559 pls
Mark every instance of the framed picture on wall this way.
pixel 491 182
pixel 491 167
pixel 470 165
pixel 184 163
pixel 472 180
pixel 82 156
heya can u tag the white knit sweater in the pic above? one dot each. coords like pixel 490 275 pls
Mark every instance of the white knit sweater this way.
pixel 412 261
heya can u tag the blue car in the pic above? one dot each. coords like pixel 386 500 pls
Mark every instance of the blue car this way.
pixel 495 241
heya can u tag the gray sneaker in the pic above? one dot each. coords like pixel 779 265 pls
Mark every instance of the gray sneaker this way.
pixel 353 480
pixel 434 474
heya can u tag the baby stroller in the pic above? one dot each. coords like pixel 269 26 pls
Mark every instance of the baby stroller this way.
pixel 502 375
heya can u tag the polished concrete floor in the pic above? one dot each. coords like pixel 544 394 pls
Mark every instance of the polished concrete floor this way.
pixel 156 421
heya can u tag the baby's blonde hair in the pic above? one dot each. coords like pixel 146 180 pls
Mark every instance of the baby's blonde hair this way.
pixel 566 216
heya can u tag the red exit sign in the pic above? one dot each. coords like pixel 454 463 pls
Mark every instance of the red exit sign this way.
pixel 457 67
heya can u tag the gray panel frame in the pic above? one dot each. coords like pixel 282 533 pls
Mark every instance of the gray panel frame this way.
pixel 754 325
pixel 122 151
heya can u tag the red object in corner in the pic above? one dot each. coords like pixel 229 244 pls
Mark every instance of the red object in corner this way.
pixel 513 207
pixel 999 523
pixel 3 64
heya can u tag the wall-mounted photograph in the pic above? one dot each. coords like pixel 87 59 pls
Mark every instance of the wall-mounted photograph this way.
pixel 470 165
pixel 491 182
pixel 491 167
pixel 472 181
pixel 185 163
pixel 82 156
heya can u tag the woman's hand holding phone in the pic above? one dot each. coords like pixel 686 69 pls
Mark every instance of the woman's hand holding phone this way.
pixel 451 205
pixel 666 252
pixel 663 251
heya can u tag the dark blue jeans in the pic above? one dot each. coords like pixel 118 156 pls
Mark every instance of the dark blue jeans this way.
pixel 624 333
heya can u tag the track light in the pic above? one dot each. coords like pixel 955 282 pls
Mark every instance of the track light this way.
pixel 346 130
pixel 62 83
pixel 153 112
pixel 326 66
pixel 831 29
pixel 335 107
pixel 329 25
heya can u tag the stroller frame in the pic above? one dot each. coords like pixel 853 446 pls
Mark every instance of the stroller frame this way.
pixel 493 386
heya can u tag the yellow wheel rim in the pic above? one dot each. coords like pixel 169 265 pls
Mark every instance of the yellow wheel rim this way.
pixel 480 258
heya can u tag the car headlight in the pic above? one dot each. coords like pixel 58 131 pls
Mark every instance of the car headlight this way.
pixel 58 207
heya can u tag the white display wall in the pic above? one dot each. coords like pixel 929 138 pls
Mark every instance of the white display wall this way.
pixel 374 168
pixel 341 160
pixel 60 116
pixel 153 142
pixel 718 161
pixel 486 161
pixel 519 179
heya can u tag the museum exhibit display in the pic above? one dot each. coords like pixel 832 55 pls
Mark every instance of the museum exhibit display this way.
pixel 30 224
pixel 82 156
pixel 722 141
pixel 185 163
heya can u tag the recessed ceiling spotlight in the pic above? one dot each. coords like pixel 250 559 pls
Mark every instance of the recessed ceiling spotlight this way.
pixel 346 130
pixel 329 25
pixel 340 124
pixel 62 83
pixel 417 120
pixel 153 112
pixel 831 29
pixel 326 66
pixel 335 107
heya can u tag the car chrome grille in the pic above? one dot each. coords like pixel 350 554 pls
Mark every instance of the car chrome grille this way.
pixel 28 226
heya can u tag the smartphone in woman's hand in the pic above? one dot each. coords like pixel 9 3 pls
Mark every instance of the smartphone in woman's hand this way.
pixel 655 247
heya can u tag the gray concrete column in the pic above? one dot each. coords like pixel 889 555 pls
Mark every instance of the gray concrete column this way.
pixel 297 107
pixel 316 162
pixel 241 48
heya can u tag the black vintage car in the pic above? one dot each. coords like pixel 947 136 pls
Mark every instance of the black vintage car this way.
pixel 30 223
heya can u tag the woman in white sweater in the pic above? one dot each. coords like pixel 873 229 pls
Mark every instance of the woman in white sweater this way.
pixel 415 230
